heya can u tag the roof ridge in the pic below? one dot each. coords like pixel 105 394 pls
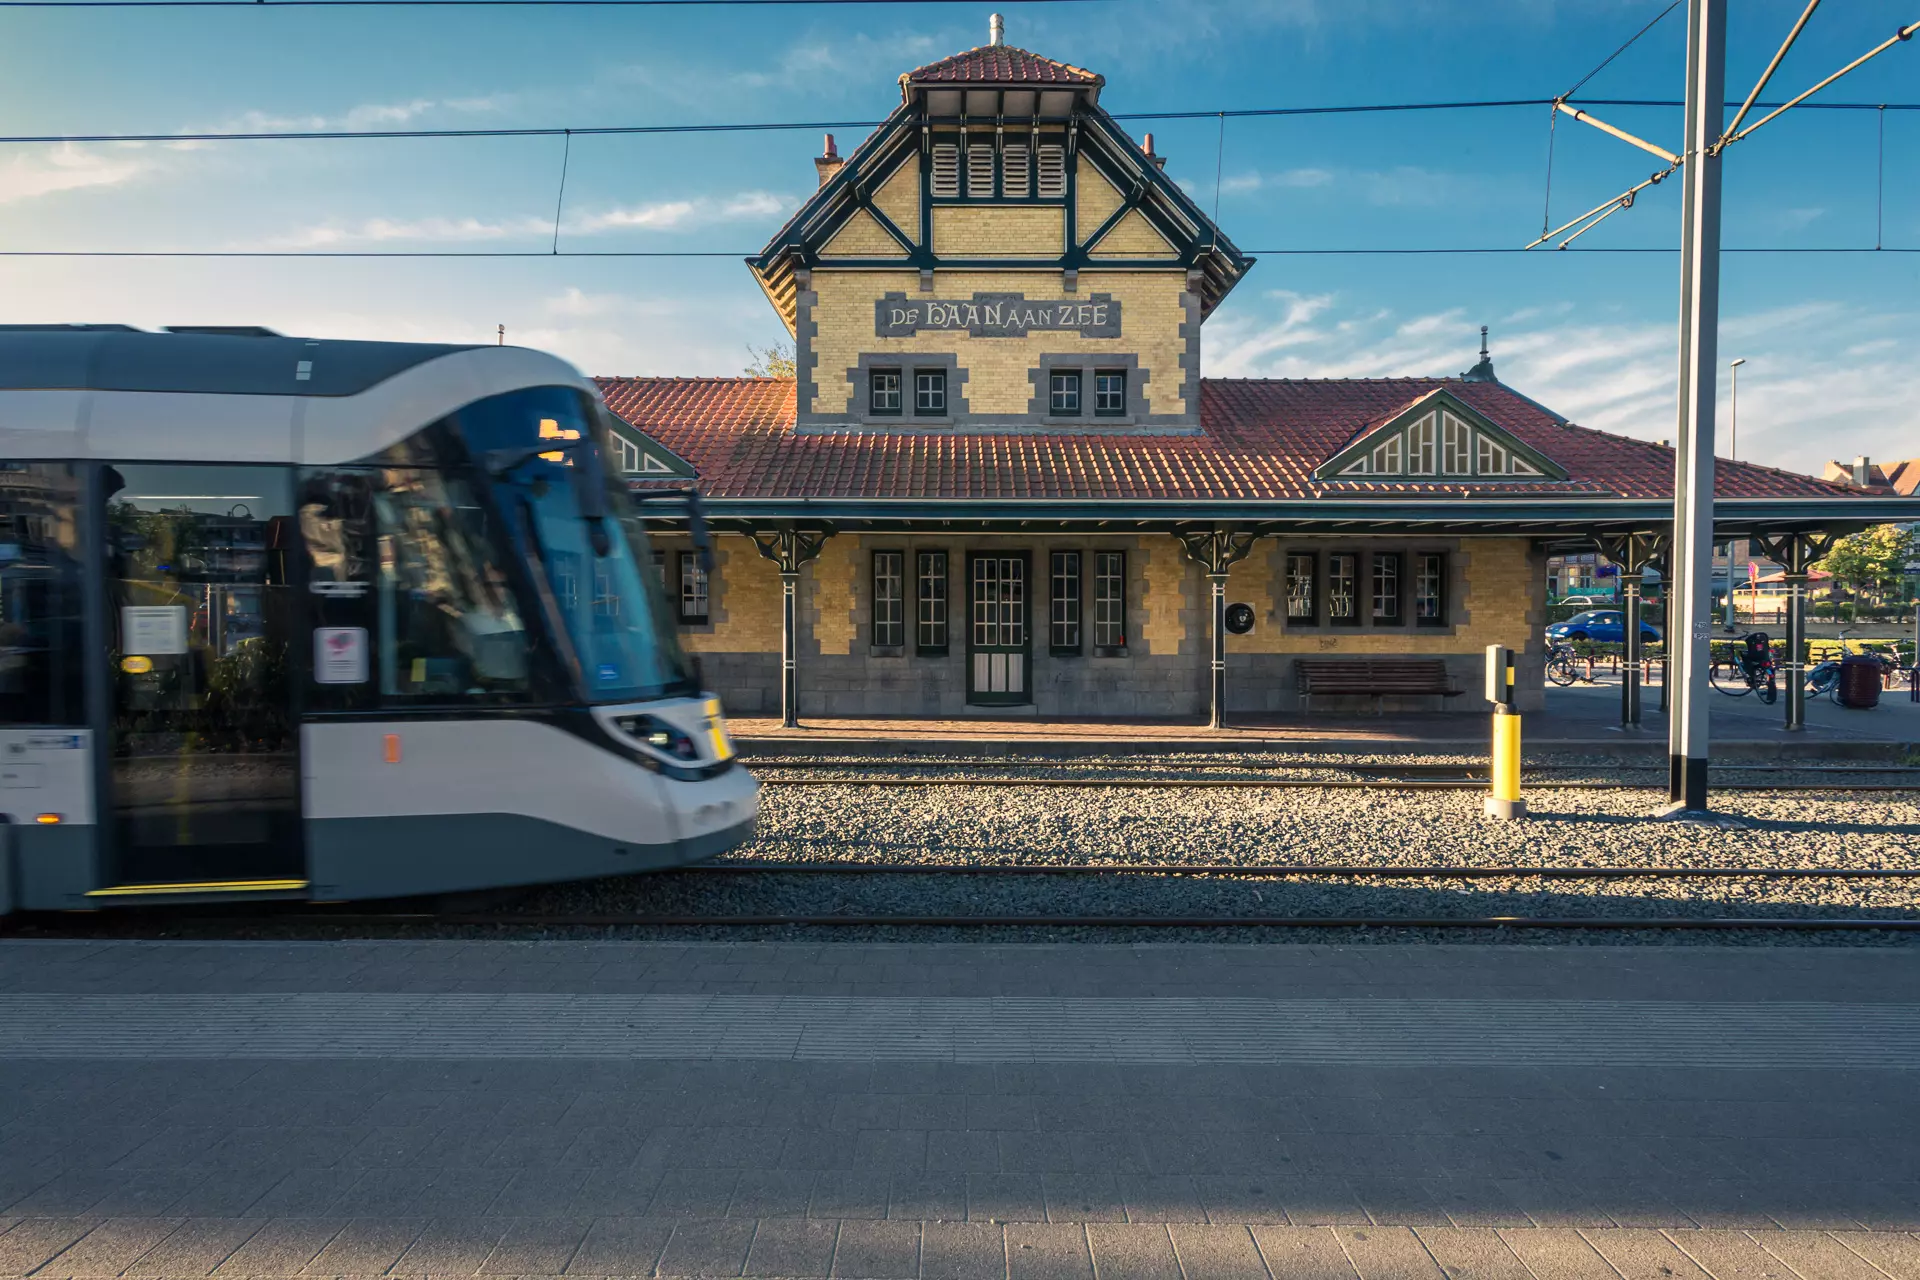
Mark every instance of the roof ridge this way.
pixel 1006 50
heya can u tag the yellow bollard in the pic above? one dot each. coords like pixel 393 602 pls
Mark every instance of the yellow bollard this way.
pixel 1504 800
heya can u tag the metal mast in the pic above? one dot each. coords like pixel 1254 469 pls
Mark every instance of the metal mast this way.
pixel 1690 595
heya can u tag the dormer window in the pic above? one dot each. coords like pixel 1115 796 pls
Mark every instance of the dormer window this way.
pixel 1441 442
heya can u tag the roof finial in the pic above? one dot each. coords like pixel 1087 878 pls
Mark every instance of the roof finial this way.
pixel 996 30
pixel 1482 372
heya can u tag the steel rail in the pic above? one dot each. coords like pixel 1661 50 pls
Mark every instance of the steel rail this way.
pixel 1770 923
pixel 1321 870
pixel 1202 762
pixel 1310 784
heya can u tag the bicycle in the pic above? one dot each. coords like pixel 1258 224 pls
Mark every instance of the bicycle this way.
pixel 1750 669
pixel 1561 665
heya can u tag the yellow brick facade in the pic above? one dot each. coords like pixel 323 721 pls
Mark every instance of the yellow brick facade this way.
pixel 745 600
pixel 999 231
pixel 1498 589
pixel 835 574
pixel 1096 199
pixel 999 370
pixel 862 237
pixel 1133 237
pixel 899 198
pixel 1163 575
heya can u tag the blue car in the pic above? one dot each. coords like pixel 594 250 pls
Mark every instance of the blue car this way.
pixel 1605 626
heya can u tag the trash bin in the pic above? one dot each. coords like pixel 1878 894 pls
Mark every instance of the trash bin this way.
pixel 1859 681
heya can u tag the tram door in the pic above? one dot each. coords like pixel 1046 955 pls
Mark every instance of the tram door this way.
pixel 205 776
pixel 997 643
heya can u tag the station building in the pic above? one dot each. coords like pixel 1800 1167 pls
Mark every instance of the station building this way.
pixel 998 482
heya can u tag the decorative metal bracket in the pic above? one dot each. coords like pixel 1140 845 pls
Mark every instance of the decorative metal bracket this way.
pixel 1795 552
pixel 1217 549
pixel 1634 551
pixel 789 548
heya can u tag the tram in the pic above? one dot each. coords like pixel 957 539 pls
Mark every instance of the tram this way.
pixel 293 618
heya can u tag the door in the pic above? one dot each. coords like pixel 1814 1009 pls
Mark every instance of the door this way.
pixel 997 638
pixel 205 776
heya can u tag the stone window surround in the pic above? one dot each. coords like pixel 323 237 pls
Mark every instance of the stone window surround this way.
pixel 1085 363
pixel 1453 583
pixel 861 376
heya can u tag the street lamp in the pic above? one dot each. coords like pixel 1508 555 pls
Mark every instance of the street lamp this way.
pixel 1733 410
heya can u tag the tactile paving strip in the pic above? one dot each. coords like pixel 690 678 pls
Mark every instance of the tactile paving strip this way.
pixel 1388 1032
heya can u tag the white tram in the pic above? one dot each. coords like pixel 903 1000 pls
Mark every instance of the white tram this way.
pixel 315 619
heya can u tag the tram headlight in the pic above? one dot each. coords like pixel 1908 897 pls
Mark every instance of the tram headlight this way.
pixel 662 737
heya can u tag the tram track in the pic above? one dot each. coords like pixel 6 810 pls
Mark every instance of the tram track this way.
pixel 1300 870
pixel 1318 784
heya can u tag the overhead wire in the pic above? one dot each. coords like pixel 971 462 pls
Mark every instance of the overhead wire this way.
pixel 554 131
pixel 477 254
pixel 1608 60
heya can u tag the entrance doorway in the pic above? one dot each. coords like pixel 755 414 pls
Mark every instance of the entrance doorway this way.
pixel 997 633
pixel 205 778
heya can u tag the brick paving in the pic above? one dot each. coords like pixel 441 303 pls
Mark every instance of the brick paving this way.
pixel 861 1167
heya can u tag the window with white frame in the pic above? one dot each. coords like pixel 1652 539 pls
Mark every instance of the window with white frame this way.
pixel 629 455
pixel 1109 602
pixel 931 570
pixel 1386 588
pixel 693 588
pixel 1063 395
pixel 1490 459
pixel 1342 572
pixel 1429 589
pixel 1110 393
pixel 889 600
pixel 1456 446
pixel 883 391
pixel 1386 456
pixel 1421 447
pixel 1063 635
pixel 930 392
pixel 1302 603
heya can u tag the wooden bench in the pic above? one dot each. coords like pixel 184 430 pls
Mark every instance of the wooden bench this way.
pixel 1375 678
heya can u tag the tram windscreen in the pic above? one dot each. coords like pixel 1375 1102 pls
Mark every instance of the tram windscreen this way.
pixel 593 550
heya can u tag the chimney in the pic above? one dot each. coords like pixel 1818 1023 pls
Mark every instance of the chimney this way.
pixel 1159 162
pixel 828 162
pixel 1862 473
pixel 996 31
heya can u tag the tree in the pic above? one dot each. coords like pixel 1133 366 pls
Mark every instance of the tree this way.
pixel 1871 561
pixel 775 361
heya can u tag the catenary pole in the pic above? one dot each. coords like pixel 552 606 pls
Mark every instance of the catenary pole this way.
pixel 1691 595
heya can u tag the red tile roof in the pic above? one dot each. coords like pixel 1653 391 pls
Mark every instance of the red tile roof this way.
pixel 1000 64
pixel 1262 439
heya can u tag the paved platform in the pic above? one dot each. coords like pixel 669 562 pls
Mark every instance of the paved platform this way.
pixel 898 1112
pixel 1578 717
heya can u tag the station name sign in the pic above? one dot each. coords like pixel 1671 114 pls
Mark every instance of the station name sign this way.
pixel 996 315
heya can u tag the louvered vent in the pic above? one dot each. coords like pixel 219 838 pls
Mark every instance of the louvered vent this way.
pixel 1053 171
pixel 946 169
pixel 980 169
pixel 1016 171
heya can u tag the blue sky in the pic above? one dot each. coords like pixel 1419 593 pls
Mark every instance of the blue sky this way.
pixel 1830 340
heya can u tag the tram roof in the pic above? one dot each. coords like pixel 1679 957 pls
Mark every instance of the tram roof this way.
pixel 118 358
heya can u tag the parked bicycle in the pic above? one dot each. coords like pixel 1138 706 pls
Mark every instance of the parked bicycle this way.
pixel 1562 667
pixel 1823 678
pixel 1746 666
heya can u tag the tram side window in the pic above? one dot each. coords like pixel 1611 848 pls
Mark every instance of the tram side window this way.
pixel 407 557
pixel 449 626
pixel 40 644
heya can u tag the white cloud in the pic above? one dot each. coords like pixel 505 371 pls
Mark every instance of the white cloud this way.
pixel 1845 393
pixel 661 215
pixel 28 174
pixel 1253 180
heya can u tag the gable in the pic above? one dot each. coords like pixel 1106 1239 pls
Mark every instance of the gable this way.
pixel 1439 437
pixel 862 237
pixel 1095 199
pixel 1133 237
pixel 899 200
pixel 640 456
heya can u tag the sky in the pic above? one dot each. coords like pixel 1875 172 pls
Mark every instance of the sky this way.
pixel 1829 340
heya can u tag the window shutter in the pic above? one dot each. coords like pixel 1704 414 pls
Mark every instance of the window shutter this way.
pixel 1053 171
pixel 1015 171
pixel 946 169
pixel 980 169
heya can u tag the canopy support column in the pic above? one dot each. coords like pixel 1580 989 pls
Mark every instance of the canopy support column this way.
pixel 1216 550
pixel 1796 553
pixel 789 548
pixel 1632 552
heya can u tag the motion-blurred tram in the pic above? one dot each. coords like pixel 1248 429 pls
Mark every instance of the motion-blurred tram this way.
pixel 293 618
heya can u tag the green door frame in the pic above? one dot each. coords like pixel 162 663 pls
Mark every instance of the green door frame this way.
pixel 999 628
